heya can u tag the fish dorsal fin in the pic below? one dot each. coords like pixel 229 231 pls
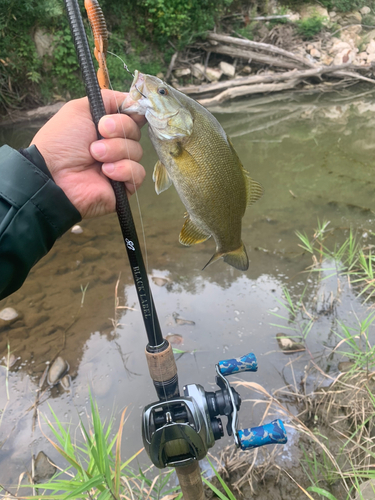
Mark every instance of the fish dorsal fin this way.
pixel 161 178
pixel 191 234
pixel 254 190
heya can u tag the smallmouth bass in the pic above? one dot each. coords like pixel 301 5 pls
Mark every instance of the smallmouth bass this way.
pixel 196 155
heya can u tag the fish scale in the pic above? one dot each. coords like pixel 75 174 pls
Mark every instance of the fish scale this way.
pixel 196 155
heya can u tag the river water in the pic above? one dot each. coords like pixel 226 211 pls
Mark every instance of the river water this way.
pixel 314 155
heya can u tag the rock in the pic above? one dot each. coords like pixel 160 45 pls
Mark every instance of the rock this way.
pixel 58 368
pixel 7 317
pixel 288 345
pixel 179 73
pixel 352 17
pixel 43 42
pixel 370 49
pixel 339 47
pixel 160 75
pixel 174 338
pixel 294 16
pixel 77 229
pixel 227 69
pixel 198 71
pixel 10 361
pixel 313 10
pixel 367 490
pixel 345 366
pixel 65 382
pixel 315 53
pixel 213 74
pixel 345 57
pixel 326 60
pixel 246 70
pixel 362 56
pixel 90 254
pixel 44 470
pixel 159 281
pixel 365 10
pixel 371 58
pixel 369 36
pixel 332 14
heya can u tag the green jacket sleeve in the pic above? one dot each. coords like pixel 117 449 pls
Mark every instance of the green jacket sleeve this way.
pixel 34 212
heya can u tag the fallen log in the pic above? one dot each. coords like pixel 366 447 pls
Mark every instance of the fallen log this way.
pixel 271 77
pixel 249 55
pixel 266 47
pixel 259 85
pixel 248 90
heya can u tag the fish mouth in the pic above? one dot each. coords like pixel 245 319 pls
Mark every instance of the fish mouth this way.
pixel 131 102
pixel 138 83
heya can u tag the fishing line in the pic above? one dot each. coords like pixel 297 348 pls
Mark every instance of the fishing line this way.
pixel 126 68
pixel 139 211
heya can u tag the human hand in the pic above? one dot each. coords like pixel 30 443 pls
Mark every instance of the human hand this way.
pixel 80 164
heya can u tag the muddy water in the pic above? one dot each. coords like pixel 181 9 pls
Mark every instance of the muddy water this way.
pixel 314 156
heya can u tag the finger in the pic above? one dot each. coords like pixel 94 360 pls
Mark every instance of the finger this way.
pixel 116 149
pixel 128 171
pixel 119 125
pixel 112 103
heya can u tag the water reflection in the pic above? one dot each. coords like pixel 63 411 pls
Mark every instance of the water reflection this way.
pixel 313 156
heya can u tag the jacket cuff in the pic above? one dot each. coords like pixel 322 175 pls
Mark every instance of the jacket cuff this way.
pixel 24 182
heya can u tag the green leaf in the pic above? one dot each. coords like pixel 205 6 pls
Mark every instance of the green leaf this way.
pixel 322 492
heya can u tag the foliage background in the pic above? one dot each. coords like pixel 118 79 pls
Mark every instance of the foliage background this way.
pixel 140 33
pixel 145 33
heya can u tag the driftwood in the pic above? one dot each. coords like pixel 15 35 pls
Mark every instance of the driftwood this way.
pixel 267 82
pixel 272 77
pixel 249 56
pixel 248 90
pixel 266 47
pixel 302 72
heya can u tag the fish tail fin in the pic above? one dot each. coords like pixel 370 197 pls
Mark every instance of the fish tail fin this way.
pixel 237 258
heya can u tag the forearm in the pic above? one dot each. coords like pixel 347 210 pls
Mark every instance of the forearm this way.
pixel 34 212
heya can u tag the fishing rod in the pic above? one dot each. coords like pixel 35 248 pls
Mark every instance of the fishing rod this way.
pixel 177 431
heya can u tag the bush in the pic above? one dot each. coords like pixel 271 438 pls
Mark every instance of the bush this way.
pixel 310 27
pixel 346 5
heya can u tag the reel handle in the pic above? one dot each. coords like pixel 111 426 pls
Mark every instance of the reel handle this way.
pixel 272 433
pixel 247 363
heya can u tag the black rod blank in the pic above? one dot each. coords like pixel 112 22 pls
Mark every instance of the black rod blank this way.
pixel 125 217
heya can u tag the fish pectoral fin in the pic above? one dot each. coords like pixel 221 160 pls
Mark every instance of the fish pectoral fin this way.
pixel 191 234
pixel 254 190
pixel 161 178
pixel 236 258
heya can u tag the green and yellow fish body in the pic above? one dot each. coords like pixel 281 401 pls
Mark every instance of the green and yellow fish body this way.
pixel 196 155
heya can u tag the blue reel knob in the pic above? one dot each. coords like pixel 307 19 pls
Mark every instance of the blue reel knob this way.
pixel 272 433
pixel 247 363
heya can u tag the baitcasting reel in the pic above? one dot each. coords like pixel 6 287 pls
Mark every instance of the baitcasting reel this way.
pixel 179 431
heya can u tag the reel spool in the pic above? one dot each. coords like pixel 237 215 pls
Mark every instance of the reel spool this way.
pixel 181 430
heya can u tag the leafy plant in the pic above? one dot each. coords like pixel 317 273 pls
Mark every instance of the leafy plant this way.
pixel 95 467
pixel 344 5
pixel 310 26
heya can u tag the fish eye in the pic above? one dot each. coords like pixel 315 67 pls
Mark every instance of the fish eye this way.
pixel 162 91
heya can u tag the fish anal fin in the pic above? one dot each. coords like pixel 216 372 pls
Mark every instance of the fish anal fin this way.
pixel 254 190
pixel 161 177
pixel 191 234
pixel 236 258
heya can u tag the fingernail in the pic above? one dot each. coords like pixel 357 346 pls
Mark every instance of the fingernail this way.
pixel 98 149
pixel 108 168
pixel 109 124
